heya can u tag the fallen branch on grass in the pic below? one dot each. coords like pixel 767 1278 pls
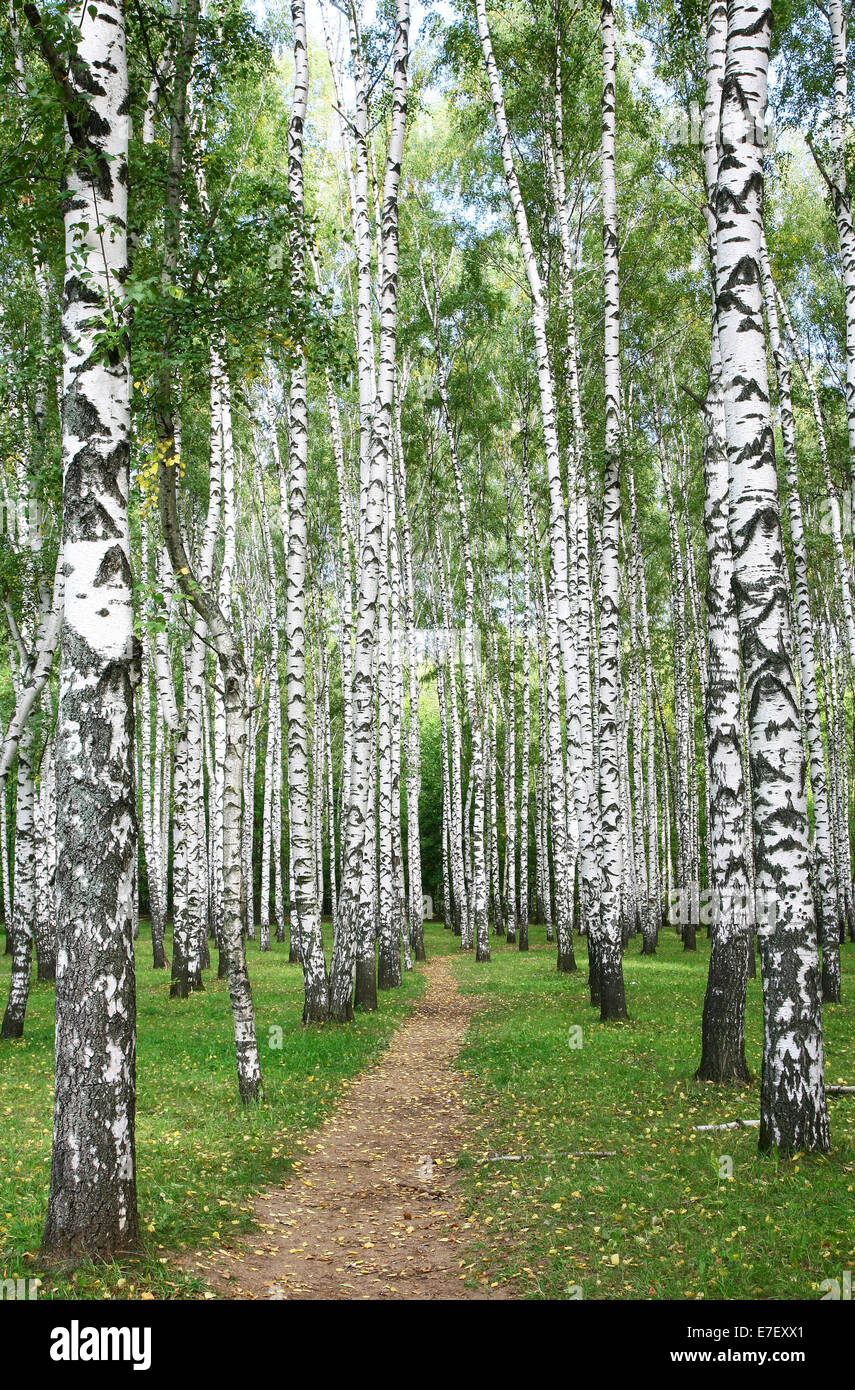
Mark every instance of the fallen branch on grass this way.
pixel 750 1124
pixel 562 1153
pixel 731 1124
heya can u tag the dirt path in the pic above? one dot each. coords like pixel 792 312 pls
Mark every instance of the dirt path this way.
pixel 372 1210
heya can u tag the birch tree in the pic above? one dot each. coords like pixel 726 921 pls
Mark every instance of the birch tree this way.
pixel 793 1108
pixel 92 1206
pixel 354 910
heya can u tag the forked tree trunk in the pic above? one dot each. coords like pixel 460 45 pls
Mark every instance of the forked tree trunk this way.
pixel 232 746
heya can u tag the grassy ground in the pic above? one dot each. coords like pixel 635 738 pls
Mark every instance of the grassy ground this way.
pixel 200 1156
pixel 657 1220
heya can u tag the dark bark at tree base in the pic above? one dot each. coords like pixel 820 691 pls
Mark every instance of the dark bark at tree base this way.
pixel 802 1136
pixel 612 1001
pixel 182 987
pixel 186 982
pixel 317 998
pixel 19 988
pixel 316 1006
pixel 46 972
pixel 723 1024
pixel 523 941
pixel 366 986
pixel 566 962
pixel 482 953
pixel 250 1091
pixel 388 970
pixel 67 1256
pixel 612 996
pixel 417 942
pixel 830 977
pixel 158 954
pixel 593 971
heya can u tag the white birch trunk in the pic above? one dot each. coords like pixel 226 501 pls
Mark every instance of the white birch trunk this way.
pixel 824 854
pixel 92 1202
pixel 304 902
pixel 607 964
pixel 793 1107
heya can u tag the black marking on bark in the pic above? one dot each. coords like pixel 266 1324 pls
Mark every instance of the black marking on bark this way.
pixel 76 291
pixel 89 475
pixel 115 562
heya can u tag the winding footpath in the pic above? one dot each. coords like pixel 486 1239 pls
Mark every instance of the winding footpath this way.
pixel 372 1210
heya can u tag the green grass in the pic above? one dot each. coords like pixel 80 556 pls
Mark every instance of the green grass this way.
pixel 656 1220
pixel 200 1156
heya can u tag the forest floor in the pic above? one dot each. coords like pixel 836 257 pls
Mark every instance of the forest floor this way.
pixel 565 1159
pixel 673 1214
pixel 372 1210
pixel 201 1158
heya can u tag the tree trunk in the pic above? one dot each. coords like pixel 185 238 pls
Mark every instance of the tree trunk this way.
pixel 793 1106
pixel 92 1206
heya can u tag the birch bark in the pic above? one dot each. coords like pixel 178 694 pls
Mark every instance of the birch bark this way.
pixel 608 963
pixel 304 902
pixel 793 1107
pixel 354 911
pixel 824 854
pixel 92 1205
